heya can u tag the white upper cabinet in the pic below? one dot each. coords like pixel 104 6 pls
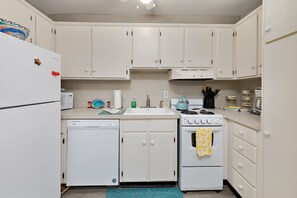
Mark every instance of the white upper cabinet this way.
pixel 224 53
pixel 280 18
pixel 246 47
pixel 109 52
pixel 171 47
pixel 145 47
pixel 74 44
pixel 44 33
pixel 12 10
pixel 260 41
pixel 198 47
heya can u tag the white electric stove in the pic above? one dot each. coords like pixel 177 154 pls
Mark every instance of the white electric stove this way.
pixel 199 173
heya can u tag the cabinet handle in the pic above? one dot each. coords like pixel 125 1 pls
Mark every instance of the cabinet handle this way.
pixel 267 29
pixel 143 142
pixel 86 70
pixel 156 61
pixel 94 71
pixel 239 165
pixel 240 186
pixel 240 148
pixel 267 133
pixel 152 142
pixel 181 61
pixel 189 61
pixel 260 65
pixel 253 67
pixel 220 72
pixel 241 132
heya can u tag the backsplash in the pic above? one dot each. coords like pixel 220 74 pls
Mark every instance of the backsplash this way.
pixel 152 84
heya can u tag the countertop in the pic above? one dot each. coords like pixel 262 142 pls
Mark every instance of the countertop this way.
pixel 86 113
pixel 244 118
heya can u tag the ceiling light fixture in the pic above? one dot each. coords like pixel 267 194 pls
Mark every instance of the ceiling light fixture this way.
pixel 146 1
pixel 149 4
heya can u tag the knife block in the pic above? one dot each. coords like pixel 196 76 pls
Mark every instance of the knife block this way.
pixel 209 102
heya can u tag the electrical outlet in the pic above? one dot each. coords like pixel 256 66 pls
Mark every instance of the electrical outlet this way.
pixel 166 94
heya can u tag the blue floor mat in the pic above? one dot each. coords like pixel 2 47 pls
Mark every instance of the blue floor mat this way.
pixel 144 193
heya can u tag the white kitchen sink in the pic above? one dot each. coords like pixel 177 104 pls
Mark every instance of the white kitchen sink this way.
pixel 149 111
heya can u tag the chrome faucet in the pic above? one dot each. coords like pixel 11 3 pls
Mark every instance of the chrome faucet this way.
pixel 148 101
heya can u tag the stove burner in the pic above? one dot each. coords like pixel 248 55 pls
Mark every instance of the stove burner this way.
pixel 203 111
pixel 189 112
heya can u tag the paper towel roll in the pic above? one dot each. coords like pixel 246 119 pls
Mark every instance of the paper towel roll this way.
pixel 117 99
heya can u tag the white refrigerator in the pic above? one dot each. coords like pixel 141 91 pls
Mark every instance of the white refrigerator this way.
pixel 29 120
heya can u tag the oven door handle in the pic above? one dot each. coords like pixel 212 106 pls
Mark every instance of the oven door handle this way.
pixel 194 139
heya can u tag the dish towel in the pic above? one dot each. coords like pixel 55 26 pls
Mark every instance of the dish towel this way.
pixel 203 141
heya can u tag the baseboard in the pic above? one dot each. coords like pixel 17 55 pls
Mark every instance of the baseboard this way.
pixel 227 183
pixel 147 184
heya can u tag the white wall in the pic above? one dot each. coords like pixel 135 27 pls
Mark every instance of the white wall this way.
pixel 143 83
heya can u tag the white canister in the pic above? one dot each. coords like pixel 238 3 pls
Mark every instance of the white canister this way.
pixel 117 99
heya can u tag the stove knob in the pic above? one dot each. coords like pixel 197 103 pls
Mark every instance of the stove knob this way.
pixel 209 121
pixel 190 121
pixel 216 121
pixel 197 121
pixel 203 121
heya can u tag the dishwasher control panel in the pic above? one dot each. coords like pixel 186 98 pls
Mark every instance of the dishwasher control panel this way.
pixel 93 124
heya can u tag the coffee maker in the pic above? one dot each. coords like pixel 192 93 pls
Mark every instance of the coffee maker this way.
pixel 258 102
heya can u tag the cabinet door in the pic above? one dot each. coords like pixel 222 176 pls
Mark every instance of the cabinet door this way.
pixel 109 52
pixel 225 52
pixel 74 44
pixel 16 12
pixel 260 41
pixel 246 47
pixel 162 161
pixel 172 47
pixel 279 122
pixel 134 157
pixel 145 47
pixel 44 33
pixel 280 18
pixel 199 47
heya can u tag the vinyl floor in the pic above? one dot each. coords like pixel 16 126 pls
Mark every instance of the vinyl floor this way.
pixel 97 192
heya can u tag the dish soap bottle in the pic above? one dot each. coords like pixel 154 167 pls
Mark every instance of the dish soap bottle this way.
pixel 133 103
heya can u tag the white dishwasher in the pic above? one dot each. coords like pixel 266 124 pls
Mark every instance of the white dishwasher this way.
pixel 92 153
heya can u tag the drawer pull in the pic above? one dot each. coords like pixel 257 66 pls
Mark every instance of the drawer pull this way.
pixel 152 142
pixel 143 142
pixel 241 132
pixel 239 165
pixel 240 148
pixel 240 187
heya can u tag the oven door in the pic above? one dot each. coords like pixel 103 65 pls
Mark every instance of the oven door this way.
pixel 188 155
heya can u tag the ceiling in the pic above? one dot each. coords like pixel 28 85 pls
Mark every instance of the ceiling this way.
pixel 163 7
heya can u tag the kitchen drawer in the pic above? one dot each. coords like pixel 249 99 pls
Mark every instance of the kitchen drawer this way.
pixel 134 125
pixel 242 186
pixel 163 125
pixel 244 167
pixel 245 149
pixel 245 134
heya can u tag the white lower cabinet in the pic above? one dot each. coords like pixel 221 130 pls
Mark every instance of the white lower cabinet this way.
pixel 243 160
pixel 148 150
pixel 134 156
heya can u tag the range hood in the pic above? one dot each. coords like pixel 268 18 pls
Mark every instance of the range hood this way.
pixel 191 73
